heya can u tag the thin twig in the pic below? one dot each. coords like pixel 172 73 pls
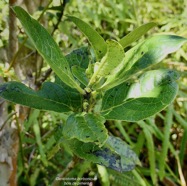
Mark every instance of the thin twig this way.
pixel 44 76
pixel 60 16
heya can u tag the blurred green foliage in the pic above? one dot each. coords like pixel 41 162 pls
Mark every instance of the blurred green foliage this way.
pixel 160 141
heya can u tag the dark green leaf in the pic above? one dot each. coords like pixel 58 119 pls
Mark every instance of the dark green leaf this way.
pixel 79 57
pixel 115 96
pixel 155 90
pixel 51 96
pixel 136 34
pixel 86 128
pixel 47 47
pixel 98 43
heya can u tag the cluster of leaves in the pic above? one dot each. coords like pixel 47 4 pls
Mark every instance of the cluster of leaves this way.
pixel 113 102
pixel 121 100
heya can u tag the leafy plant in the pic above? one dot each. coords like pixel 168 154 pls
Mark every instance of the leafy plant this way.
pixel 91 91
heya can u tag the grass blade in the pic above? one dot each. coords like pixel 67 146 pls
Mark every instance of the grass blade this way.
pixel 165 142
pixel 151 151
pixel 36 129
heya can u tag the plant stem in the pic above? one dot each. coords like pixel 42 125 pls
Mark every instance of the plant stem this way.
pixel 60 16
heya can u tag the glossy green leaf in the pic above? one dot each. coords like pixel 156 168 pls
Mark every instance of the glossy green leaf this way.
pixel 80 74
pixel 136 34
pixel 51 96
pixel 109 155
pixel 47 47
pixel 153 92
pixel 86 128
pixel 97 42
pixel 143 55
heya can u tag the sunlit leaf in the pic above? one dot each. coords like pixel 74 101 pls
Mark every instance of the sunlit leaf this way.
pixel 143 55
pixel 136 34
pixel 114 56
pixel 153 92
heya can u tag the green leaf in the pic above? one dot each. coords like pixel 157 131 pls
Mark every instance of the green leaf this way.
pixel 115 96
pixel 80 74
pixel 136 34
pixel 97 42
pixel 128 157
pixel 153 92
pixel 86 128
pixel 166 141
pixel 143 55
pixel 51 96
pixel 108 156
pixel 114 56
pixel 79 57
pixel 47 47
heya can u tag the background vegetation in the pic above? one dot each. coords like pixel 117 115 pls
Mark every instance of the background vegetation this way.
pixel 160 141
